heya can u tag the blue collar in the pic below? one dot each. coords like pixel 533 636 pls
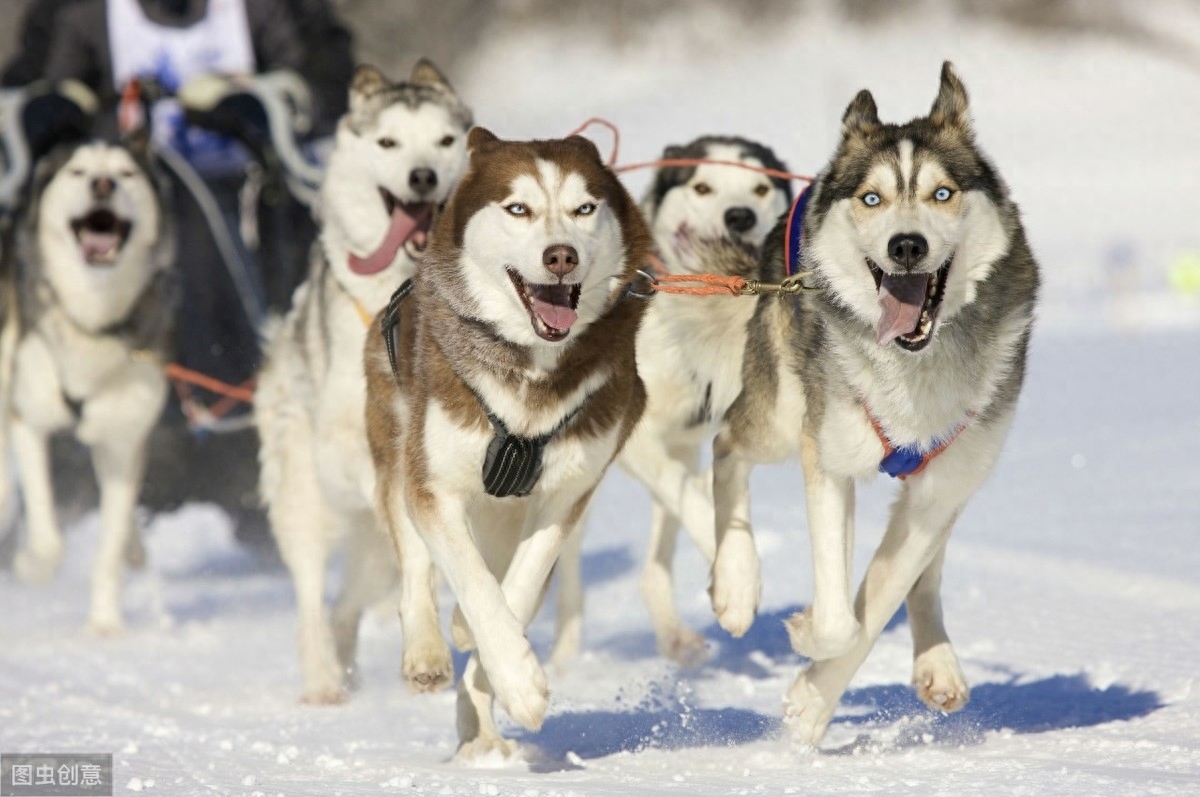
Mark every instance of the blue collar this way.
pixel 900 462
pixel 795 232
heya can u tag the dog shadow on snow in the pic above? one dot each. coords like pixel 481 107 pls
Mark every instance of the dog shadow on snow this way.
pixel 889 716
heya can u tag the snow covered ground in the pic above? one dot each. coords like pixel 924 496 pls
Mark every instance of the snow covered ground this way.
pixel 1071 584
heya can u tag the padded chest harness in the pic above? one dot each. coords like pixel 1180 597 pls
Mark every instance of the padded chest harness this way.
pixel 513 463
pixel 899 462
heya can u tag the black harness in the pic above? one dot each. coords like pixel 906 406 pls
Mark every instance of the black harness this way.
pixel 513 463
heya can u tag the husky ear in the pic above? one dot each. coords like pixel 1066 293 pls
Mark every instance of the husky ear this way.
pixel 428 74
pixel 587 145
pixel 950 107
pixel 861 116
pixel 366 83
pixel 480 138
pixel 137 141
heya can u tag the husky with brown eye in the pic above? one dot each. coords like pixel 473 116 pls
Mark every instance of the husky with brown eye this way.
pixel 907 361
pixel 89 317
pixel 498 393
pixel 397 154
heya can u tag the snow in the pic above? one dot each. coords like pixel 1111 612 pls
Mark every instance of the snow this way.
pixel 1070 589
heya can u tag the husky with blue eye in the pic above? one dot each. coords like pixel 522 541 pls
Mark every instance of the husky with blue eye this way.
pixel 907 361
pixel 497 396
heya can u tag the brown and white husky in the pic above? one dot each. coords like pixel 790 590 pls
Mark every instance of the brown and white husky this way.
pixel 499 394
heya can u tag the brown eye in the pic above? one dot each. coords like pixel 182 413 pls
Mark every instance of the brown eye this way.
pixel 762 190
pixel 386 143
pixel 446 141
pixel 702 188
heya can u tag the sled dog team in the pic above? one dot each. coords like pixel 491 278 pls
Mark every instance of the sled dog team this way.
pixel 471 351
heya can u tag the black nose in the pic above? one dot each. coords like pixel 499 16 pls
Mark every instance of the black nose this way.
pixel 103 187
pixel 740 219
pixel 560 259
pixel 422 180
pixel 907 249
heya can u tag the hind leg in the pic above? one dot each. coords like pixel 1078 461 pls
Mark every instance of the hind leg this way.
pixel 369 575
pixel 40 556
pixel 568 632
pixel 675 640
pixel 937 676
pixel 301 523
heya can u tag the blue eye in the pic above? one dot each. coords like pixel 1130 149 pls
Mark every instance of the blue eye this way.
pixel 516 209
pixel 871 199
pixel 586 209
pixel 943 194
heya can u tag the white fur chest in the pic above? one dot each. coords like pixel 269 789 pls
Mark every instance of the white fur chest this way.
pixel 84 362
pixel 690 353
pixel 343 459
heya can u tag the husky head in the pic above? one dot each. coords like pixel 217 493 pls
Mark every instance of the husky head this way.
pixel 538 240
pixel 714 201
pixel 906 220
pixel 399 150
pixel 97 211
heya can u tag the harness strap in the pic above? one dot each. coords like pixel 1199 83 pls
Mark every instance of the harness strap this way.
pixel 795 232
pixel 904 461
pixel 513 464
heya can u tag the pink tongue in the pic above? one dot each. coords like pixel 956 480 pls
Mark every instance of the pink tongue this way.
pixel 556 316
pixel 401 227
pixel 900 299
pixel 97 245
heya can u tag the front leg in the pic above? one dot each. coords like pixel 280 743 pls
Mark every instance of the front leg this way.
pixel 827 628
pixel 39 558
pixel 119 466
pixel 523 587
pixel 937 676
pixel 504 652
pixel 736 580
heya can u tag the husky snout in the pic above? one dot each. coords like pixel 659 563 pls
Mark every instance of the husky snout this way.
pixel 423 181
pixel 908 249
pixel 103 187
pixel 560 259
pixel 740 220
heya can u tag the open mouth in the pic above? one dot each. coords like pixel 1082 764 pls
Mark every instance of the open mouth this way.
pixel 551 307
pixel 421 213
pixel 909 305
pixel 408 227
pixel 101 235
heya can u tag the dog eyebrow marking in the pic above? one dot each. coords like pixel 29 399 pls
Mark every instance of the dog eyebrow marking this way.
pixel 906 172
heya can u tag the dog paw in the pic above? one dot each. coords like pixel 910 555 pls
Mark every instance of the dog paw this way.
pixel 806 712
pixel 820 643
pixel 939 681
pixel 104 626
pixel 483 751
pixel 460 632
pixel 736 585
pixel 520 685
pixel 326 695
pixel 37 566
pixel 427 665
pixel 684 647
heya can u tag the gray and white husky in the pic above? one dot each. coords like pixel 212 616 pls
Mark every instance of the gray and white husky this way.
pixel 706 218
pixel 86 334
pixel 908 361
pixel 397 153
